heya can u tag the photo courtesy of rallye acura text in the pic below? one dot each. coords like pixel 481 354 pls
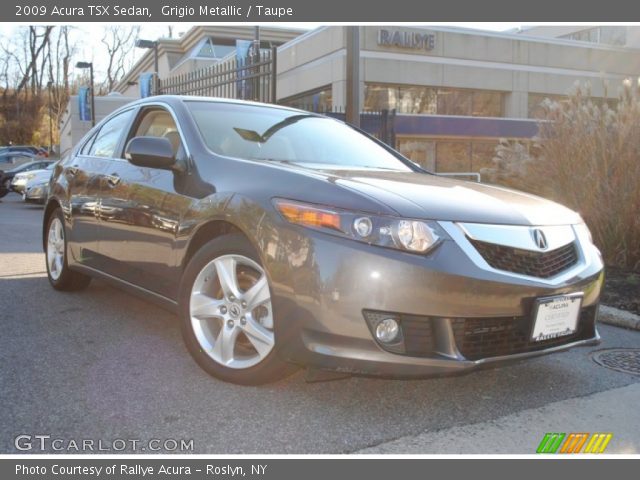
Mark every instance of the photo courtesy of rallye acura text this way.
pixel 285 238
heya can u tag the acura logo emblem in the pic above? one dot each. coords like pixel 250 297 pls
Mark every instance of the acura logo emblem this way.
pixel 539 238
pixel 234 310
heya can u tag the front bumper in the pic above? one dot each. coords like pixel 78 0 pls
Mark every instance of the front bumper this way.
pixel 322 284
pixel 18 186
pixel 36 194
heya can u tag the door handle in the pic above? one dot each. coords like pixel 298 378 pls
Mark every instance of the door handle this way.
pixel 113 179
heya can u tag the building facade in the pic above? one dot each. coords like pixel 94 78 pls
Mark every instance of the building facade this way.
pixel 456 92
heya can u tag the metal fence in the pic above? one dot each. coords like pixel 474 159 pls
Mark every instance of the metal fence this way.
pixel 250 79
pixel 380 124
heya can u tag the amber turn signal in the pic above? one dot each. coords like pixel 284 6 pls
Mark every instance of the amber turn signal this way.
pixel 307 215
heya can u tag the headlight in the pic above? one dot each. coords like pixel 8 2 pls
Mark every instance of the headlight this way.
pixel 583 231
pixel 418 236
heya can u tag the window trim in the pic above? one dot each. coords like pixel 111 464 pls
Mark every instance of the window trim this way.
pixel 119 147
pixel 161 106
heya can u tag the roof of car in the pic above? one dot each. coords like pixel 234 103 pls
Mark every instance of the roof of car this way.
pixel 172 99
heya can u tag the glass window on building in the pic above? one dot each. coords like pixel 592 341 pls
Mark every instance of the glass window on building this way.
pixel 315 101
pixel 453 156
pixel 606 35
pixel 454 102
pixel 420 151
pixel 613 35
pixel 482 154
pixel 536 102
pixel 449 155
pixel 433 101
pixel 208 48
pixel 487 104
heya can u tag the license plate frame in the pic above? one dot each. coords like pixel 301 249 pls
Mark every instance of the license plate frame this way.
pixel 546 326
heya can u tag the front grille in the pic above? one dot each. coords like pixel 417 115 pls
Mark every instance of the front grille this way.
pixel 419 335
pixel 526 262
pixel 478 338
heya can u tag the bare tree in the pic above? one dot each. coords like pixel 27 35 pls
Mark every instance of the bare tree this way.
pixel 38 39
pixel 119 41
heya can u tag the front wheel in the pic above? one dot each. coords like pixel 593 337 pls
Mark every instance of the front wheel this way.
pixel 60 275
pixel 227 314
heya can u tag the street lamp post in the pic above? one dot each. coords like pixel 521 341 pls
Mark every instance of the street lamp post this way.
pixel 89 65
pixel 49 85
pixel 151 44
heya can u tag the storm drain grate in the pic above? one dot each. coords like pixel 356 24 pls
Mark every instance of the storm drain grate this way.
pixel 626 360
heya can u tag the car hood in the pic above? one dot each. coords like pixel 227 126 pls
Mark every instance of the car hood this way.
pixel 36 175
pixel 438 198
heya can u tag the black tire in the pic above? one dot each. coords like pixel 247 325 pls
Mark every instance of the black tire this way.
pixel 68 280
pixel 272 367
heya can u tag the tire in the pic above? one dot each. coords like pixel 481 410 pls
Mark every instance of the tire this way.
pixel 60 275
pixel 228 326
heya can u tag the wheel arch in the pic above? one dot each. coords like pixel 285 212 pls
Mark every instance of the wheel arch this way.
pixel 208 231
pixel 52 204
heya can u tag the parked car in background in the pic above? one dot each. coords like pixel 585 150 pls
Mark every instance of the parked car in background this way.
pixel 11 160
pixel 19 181
pixel 282 237
pixel 36 191
pixel 6 176
pixel 36 151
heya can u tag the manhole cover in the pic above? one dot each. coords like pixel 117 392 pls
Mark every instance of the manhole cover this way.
pixel 626 360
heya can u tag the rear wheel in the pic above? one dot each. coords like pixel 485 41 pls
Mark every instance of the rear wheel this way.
pixel 60 275
pixel 227 314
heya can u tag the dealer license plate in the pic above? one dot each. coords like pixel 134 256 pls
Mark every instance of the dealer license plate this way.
pixel 556 316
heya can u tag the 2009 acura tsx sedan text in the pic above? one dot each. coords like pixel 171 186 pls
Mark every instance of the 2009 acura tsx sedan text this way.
pixel 282 237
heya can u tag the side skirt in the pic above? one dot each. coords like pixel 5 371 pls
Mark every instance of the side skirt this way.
pixel 160 300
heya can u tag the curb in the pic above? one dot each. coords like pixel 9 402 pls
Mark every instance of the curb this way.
pixel 618 318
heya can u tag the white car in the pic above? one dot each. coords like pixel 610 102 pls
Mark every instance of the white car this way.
pixel 33 177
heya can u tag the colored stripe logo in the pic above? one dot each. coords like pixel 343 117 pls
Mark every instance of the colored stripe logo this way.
pixel 574 443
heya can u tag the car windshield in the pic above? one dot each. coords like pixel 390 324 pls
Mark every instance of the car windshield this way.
pixel 277 134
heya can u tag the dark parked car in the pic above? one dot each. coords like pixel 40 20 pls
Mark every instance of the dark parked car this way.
pixel 35 151
pixel 282 237
pixel 7 176
pixel 15 159
pixel 8 162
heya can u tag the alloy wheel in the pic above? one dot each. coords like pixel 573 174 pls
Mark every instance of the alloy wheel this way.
pixel 55 248
pixel 231 313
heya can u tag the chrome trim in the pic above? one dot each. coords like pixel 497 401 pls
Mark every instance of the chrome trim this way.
pixel 170 109
pixel 585 251
pixel 475 175
pixel 520 236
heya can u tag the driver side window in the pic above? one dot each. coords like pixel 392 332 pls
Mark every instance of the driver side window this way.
pixel 160 123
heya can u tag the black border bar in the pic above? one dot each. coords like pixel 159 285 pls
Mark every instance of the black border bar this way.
pixel 388 11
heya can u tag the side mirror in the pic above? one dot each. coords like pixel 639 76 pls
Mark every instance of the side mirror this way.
pixel 152 152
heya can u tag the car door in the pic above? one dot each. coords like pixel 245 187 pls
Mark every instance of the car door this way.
pixel 145 208
pixel 84 175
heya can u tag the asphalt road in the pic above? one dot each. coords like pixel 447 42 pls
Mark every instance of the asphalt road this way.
pixel 104 365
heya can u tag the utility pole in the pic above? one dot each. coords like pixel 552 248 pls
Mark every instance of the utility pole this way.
pixel 49 85
pixel 353 75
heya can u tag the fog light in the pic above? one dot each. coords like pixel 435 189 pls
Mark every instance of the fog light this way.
pixel 387 330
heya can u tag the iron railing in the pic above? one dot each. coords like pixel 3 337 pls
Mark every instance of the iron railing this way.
pixel 250 79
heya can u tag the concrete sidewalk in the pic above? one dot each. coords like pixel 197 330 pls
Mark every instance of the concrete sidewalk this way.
pixel 615 411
